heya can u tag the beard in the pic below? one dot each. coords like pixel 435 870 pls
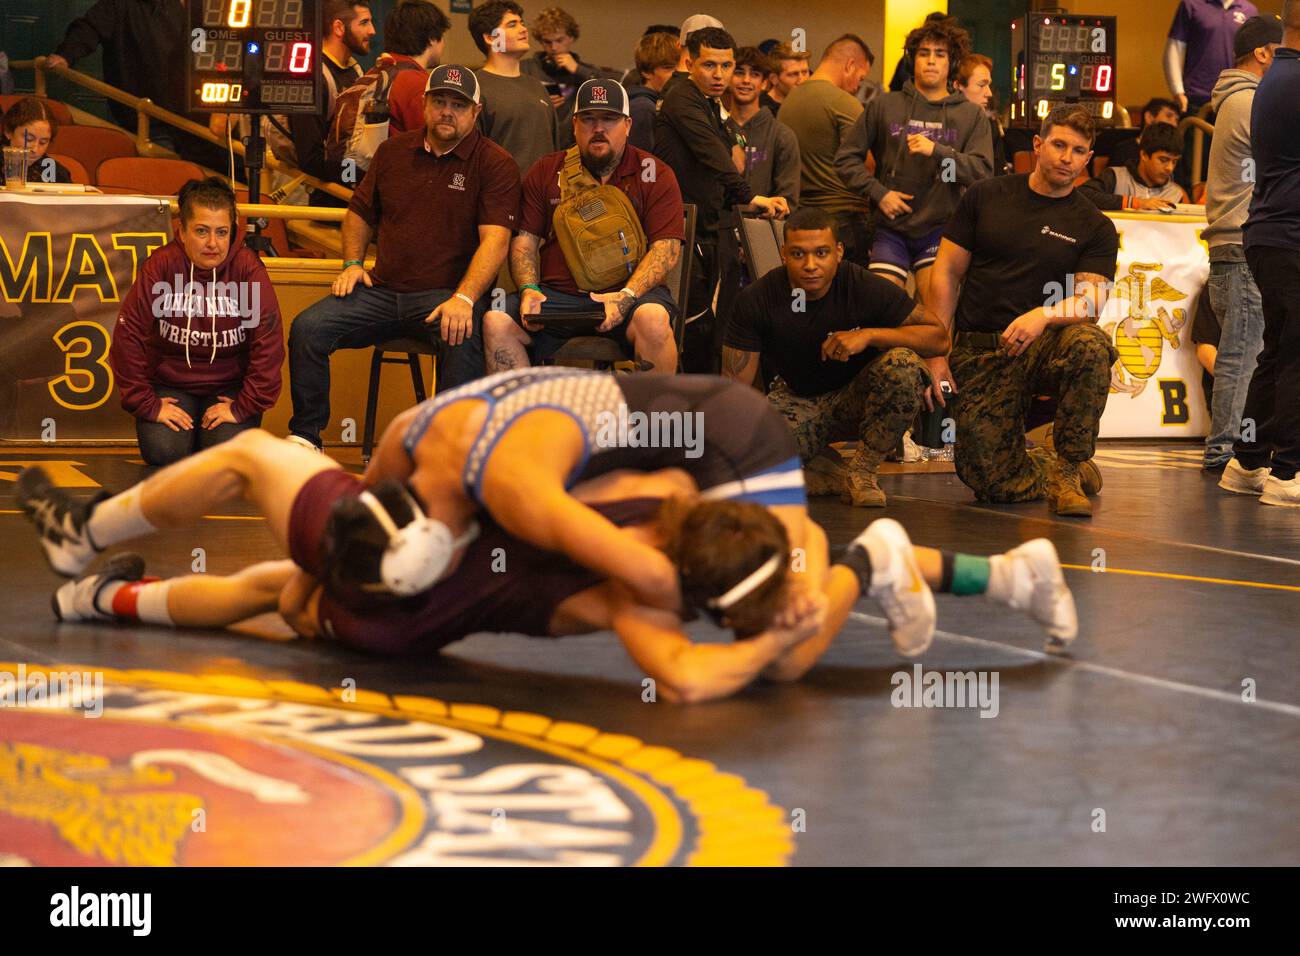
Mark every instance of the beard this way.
pixel 600 168
pixel 354 43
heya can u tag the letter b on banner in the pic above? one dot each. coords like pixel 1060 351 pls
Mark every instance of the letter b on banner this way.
pixel 1173 394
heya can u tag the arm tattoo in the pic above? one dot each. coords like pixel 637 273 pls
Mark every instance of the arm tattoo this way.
pixel 525 263
pixel 737 364
pixel 654 265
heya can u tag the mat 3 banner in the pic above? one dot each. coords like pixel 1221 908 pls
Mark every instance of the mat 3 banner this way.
pixel 66 263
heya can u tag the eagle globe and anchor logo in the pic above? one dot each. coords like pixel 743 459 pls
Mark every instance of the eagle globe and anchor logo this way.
pixel 184 770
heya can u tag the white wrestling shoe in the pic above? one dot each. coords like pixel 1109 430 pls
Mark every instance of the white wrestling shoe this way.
pixel 1038 588
pixel 1243 481
pixel 60 521
pixel 898 586
pixel 1279 492
pixel 79 600
pixel 305 443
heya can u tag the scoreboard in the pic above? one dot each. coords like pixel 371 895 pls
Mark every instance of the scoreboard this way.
pixel 254 56
pixel 1059 60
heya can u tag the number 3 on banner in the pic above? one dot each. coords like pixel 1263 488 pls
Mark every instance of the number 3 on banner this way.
pixel 87 379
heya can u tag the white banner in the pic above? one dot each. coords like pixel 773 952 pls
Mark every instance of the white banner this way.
pixel 1155 387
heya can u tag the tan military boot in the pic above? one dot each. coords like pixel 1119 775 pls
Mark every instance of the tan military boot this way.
pixel 826 474
pixel 1089 474
pixel 861 489
pixel 1065 491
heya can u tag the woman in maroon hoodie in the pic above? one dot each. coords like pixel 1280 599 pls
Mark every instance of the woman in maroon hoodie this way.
pixel 197 349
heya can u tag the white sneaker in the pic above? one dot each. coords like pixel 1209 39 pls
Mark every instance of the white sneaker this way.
pixel 1038 587
pixel 299 440
pixel 78 600
pixel 1243 481
pixel 898 587
pixel 1279 492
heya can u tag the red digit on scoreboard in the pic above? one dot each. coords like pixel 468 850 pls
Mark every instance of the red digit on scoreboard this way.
pixel 300 58
pixel 1104 77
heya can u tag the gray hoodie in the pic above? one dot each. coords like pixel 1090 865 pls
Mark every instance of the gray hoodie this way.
pixel 771 156
pixel 960 132
pixel 1228 188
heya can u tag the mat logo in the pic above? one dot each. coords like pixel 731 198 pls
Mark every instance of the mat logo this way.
pixel 229 771
pixel 956 689
pixel 1143 326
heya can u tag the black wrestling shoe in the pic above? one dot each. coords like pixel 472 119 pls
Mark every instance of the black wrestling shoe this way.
pixel 60 521
pixel 79 600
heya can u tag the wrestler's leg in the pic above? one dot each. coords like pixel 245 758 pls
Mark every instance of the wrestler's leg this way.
pixel 116 593
pixel 254 465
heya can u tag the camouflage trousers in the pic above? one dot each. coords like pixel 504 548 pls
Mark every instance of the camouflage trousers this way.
pixel 994 394
pixel 875 408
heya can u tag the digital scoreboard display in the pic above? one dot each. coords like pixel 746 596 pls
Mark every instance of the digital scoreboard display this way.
pixel 1062 59
pixel 254 56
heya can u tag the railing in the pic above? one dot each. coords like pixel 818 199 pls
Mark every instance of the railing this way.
pixel 146 109
pixel 1200 128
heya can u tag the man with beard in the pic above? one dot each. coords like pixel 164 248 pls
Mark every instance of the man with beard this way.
pixel 348 28
pixel 447 181
pixel 638 311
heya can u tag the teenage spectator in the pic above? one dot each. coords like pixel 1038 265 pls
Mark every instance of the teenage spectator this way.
pixel 633 76
pixel 30 124
pixel 928 144
pixel 1232 290
pixel 1271 235
pixel 558 68
pixel 197 348
pixel 770 148
pixel 145 45
pixel 656 58
pixel 420 28
pixel 517 114
pixel 975 80
pixel 821 111
pixel 444 201
pixel 1199 47
pixel 847 355
pixel 690 137
pixel 1146 184
pixel 639 309
pixel 903 68
pixel 347 28
pixel 1036 259
pixel 788 68
pixel 1157 110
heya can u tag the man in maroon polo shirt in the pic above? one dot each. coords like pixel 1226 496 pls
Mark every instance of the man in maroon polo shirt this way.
pixel 639 310
pixel 444 199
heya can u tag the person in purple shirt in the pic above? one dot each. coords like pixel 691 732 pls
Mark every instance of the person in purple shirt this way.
pixel 1199 47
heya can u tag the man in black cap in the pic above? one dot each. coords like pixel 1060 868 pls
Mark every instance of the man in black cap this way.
pixel 444 201
pixel 638 307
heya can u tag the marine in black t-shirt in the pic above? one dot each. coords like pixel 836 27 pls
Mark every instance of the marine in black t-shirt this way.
pixel 847 348
pixel 1021 242
pixel 789 331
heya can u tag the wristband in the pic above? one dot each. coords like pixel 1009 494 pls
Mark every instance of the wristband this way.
pixel 466 299
pixel 627 291
pixel 354 262
pixel 536 288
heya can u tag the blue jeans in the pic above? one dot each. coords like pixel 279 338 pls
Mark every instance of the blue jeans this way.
pixel 1235 300
pixel 367 316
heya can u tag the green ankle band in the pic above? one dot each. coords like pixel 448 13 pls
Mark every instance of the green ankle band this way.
pixel 970 574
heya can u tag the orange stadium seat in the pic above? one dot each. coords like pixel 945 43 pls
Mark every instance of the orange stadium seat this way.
pixel 1022 161
pixel 73 166
pixel 154 177
pixel 91 145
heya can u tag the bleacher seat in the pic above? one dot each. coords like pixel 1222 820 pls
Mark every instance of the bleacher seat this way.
pixel 153 177
pixel 91 145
